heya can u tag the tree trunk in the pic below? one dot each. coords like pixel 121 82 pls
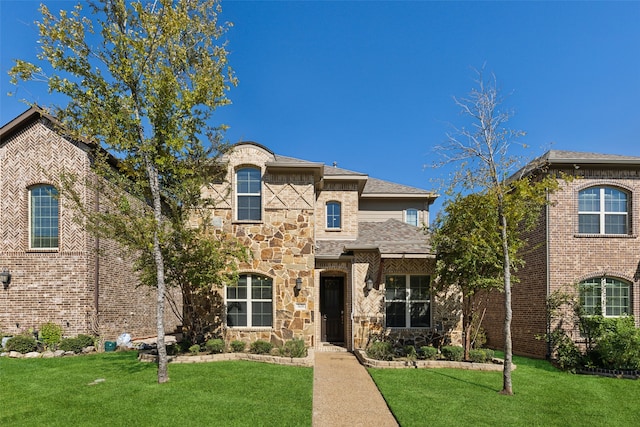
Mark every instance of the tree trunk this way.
pixel 466 325
pixel 507 387
pixel 152 173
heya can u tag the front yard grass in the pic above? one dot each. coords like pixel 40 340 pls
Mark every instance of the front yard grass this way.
pixel 544 396
pixel 64 392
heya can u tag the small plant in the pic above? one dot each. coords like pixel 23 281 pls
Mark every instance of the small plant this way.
pixel 238 346
pixel 481 355
pixel 194 349
pixel 293 348
pixel 22 344
pixel 409 352
pixel 50 334
pixel 380 350
pixel 261 347
pixel 86 340
pixel 215 345
pixel 428 352
pixel 71 344
pixel 453 352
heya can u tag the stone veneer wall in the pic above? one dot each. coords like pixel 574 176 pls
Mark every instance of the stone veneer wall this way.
pixel 347 194
pixel 59 286
pixel 369 306
pixel 281 245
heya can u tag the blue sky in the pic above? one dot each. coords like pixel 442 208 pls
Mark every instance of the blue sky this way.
pixel 370 84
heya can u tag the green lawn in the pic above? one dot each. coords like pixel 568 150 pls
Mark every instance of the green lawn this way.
pixel 543 396
pixel 60 392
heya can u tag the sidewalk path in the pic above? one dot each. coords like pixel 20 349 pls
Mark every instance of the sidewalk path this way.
pixel 345 395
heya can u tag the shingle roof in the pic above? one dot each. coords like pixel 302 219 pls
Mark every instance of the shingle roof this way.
pixel 560 156
pixel 391 237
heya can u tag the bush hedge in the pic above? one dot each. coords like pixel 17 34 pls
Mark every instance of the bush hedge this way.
pixel 22 344
pixel 261 347
pixel 453 352
pixel 215 345
pixel 380 350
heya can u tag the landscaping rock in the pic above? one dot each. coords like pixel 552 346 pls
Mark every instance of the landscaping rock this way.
pixel 15 355
pixel 89 349
pixel 32 355
pixel 48 354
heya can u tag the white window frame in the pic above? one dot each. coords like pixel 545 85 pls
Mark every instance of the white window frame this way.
pixel 333 203
pixel 31 226
pixel 406 216
pixel 247 194
pixel 602 283
pixel 602 211
pixel 249 300
pixel 408 301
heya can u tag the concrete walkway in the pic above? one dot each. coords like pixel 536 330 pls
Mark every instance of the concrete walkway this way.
pixel 345 395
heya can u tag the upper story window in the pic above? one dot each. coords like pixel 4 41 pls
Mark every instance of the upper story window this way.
pixel 334 217
pixel 248 195
pixel 250 302
pixel 411 216
pixel 605 296
pixel 603 210
pixel 407 301
pixel 43 217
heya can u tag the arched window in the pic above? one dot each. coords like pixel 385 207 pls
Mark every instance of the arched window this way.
pixel 603 210
pixel 43 217
pixel 334 217
pixel 250 302
pixel 248 195
pixel 605 296
pixel 411 216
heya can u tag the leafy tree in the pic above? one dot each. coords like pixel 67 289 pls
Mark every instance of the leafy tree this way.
pixel 513 201
pixel 143 82
pixel 468 255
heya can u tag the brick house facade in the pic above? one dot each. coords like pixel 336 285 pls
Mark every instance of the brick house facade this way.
pixel 588 235
pixel 58 272
pixel 317 235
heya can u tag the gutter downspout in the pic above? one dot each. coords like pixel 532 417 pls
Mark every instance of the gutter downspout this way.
pixel 548 260
pixel 96 265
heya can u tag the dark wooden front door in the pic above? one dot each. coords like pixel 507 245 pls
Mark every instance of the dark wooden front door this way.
pixel 332 309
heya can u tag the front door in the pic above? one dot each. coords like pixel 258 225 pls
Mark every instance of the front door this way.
pixel 332 309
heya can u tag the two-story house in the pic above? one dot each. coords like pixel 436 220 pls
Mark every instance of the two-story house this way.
pixel 587 235
pixel 51 269
pixel 336 255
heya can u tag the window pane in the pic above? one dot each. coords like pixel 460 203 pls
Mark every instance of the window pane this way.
pixel 614 200
pixel 44 217
pixel 589 200
pixel 419 288
pixel 396 314
pixel 396 288
pixel 412 217
pixel 589 223
pixel 617 298
pixel 260 287
pixel 261 314
pixel 420 316
pixel 615 224
pixel 333 215
pixel 248 181
pixel 237 314
pixel 249 208
pixel 590 296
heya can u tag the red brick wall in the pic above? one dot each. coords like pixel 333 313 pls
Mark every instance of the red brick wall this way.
pixel 59 286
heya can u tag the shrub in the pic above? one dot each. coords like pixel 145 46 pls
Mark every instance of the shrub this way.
pixel 194 349
pixel 50 334
pixel 380 350
pixel 22 344
pixel 261 347
pixel 452 352
pixel 238 346
pixel 215 345
pixel 409 352
pixel 428 352
pixel 618 346
pixel 86 340
pixel 71 344
pixel 294 348
pixel 481 355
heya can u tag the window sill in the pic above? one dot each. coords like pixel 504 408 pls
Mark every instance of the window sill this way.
pixel 43 250
pixel 251 328
pixel 245 221
pixel 605 236
pixel 332 230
